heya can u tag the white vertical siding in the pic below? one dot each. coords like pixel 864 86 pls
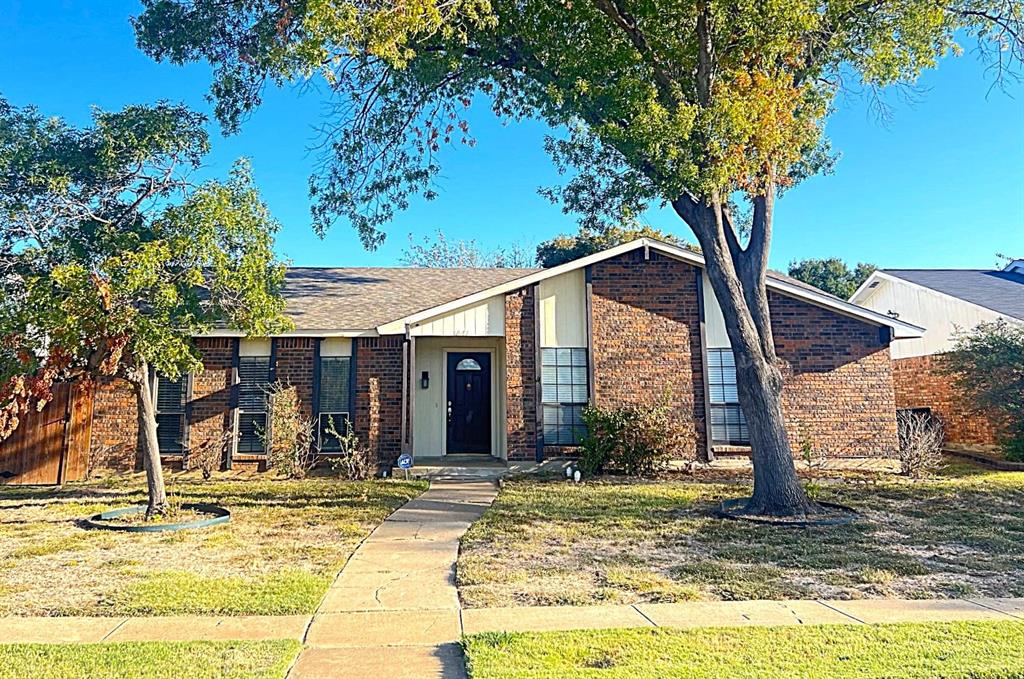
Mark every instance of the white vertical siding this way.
pixel 336 346
pixel 254 346
pixel 714 321
pixel 941 315
pixel 485 319
pixel 563 310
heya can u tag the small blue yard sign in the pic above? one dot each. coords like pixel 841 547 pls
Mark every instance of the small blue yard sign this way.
pixel 405 461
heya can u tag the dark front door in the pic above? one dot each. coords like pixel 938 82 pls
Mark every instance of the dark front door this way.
pixel 469 402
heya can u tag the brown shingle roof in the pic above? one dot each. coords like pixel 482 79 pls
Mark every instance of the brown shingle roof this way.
pixel 355 298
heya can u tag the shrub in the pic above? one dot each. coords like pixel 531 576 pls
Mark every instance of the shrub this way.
pixel 987 364
pixel 920 439
pixel 208 455
pixel 635 440
pixel 289 437
pixel 352 462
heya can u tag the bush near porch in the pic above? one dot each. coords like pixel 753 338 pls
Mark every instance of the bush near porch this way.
pixel 284 544
pixel 550 542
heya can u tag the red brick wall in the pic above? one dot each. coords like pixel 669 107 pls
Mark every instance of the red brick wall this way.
pixel 378 407
pixel 838 394
pixel 115 427
pixel 919 384
pixel 646 336
pixel 294 367
pixel 521 374
pixel 211 393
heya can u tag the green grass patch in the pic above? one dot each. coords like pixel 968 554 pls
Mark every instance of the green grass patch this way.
pixel 149 660
pixel 285 592
pixel 905 651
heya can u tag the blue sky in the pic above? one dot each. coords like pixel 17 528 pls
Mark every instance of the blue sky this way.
pixel 941 185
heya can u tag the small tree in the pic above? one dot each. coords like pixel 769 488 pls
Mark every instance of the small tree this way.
pixel 987 365
pixel 566 248
pixel 831 275
pixel 111 261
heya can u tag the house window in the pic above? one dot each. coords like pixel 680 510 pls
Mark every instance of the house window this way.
pixel 253 380
pixel 563 394
pixel 170 398
pixel 728 425
pixel 335 372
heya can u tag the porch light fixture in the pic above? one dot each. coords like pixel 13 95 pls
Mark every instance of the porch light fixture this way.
pixel 425 380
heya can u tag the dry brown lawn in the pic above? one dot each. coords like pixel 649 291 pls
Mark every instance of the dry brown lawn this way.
pixel 549 542
pixel 284 544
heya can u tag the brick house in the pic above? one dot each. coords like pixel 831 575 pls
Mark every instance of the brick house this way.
pixel 944 301
pixel 501 362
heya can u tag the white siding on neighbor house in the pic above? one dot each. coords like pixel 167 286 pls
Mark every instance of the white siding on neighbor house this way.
pixel 254 346
pixel 714 321
pixel 336 346
pixel 563 310
pixel 940 315
pixel 429 420
pixel 484 319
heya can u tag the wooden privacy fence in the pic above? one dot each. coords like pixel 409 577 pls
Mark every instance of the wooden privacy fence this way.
pixel 50 446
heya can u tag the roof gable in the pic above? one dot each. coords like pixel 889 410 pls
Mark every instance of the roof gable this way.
pixel 999 291
pixel 776 281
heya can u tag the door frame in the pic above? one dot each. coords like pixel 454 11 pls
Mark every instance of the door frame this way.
pixel 492 444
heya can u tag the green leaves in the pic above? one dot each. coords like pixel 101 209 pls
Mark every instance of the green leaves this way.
pixel 987 364
pixel 105 271
pixel 663 98
pixel 831 275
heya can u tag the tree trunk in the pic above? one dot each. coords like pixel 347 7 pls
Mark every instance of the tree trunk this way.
pixel 139 380
pixel 737 278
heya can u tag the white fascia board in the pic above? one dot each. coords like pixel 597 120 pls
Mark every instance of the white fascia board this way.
pixel 901 329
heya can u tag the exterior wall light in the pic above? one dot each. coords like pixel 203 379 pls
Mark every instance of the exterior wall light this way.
pixel 425 380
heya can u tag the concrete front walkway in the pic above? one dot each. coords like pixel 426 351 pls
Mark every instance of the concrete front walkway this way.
pixel 394 609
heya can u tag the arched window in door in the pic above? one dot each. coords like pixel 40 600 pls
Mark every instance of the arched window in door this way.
pixel 467 364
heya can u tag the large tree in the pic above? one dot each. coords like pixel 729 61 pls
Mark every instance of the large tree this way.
pixel 111 260
pixel 831 275
pixel 697 104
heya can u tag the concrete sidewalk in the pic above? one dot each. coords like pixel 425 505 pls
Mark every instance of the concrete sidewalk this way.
pixel 689 614
pixel 396 627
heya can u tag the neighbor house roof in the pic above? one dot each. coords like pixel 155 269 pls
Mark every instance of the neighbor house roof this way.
pixel 367 301
pixel 999 291
pixel 357 298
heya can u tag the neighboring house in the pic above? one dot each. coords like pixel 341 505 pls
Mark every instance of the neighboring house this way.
pixel 501 362
pixel 944 301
